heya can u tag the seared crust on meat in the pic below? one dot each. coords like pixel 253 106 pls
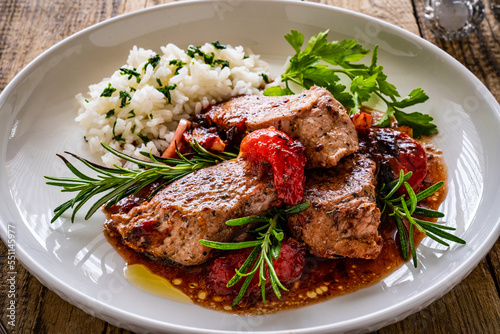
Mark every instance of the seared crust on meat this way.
pixel 313 117
pixel 343 217
pixel 196 207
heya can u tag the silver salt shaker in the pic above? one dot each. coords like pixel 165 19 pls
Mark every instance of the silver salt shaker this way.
pixel 453 19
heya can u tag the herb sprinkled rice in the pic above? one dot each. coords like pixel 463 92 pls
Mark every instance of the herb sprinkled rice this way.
pixel 139 106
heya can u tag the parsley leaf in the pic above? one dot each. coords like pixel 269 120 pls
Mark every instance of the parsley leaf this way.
pixel 108 91
pixel 296 39
pixel 144 138
pixel 115 136
pixel 265 77
pixel 166 91
pixel 278 91
pixel 221 62
pixel 110 113
pixel 342 53
pixel 153 61
pixel 131 73
pixel 193 51
pixel 178 63
pixel 416 96
pixel 219 46
pixel 209 59
pixel 420 123
pixel 322 62
pixel 124 96
pixel 362 88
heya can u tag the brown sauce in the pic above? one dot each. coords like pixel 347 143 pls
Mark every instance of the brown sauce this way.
pixel 322 278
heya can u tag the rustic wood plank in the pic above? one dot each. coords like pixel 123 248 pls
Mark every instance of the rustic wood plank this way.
pixel 27 28
pixel 399 13
pixel 493 259
pixel 471 307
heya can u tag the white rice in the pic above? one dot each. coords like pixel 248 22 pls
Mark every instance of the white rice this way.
pixel 148 113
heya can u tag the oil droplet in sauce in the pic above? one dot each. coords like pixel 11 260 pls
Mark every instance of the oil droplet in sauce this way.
pixel 144 279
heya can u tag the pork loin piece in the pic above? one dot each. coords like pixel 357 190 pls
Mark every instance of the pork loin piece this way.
pixel 193 208
pixel 313 117
pixel 343 217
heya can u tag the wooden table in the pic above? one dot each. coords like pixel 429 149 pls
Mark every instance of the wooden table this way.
pixel 27 28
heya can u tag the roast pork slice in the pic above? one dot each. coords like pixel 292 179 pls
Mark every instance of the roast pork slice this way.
pixel 196 207
pixel 343 217
pixel 313 117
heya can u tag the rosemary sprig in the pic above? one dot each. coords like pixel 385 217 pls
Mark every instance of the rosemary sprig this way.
pixel 117 183
pixel 266 247
pixel 405 208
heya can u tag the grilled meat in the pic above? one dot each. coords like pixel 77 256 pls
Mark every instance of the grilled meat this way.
pixel 193 208
pixel 313 117
pixel 343 217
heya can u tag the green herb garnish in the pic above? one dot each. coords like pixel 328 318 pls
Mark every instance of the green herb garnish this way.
pixel 219 46
pixel 144 138
pixel 405 208
pixel 131 73
pixel 115 136
pixel 193 51
pixel 153 61
pixel 222 63
pixel 166 91
pixel 312 66
pixel 119 182
pixel 124 98
pixel 265 77
pixel 209 59
pixel 110 113
pixel 266 247
pixel 178 63
pixel 108 91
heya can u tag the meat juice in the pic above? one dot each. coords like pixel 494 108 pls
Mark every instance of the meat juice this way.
pixel 322 278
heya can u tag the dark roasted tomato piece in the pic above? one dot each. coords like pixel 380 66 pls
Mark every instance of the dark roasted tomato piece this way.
pixel 288 266
pixel 272 149
pixel 394 151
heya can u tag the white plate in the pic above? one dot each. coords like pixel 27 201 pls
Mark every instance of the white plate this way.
pixel 37 110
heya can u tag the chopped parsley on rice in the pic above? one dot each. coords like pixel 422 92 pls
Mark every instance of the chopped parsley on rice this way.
pixel 139 106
